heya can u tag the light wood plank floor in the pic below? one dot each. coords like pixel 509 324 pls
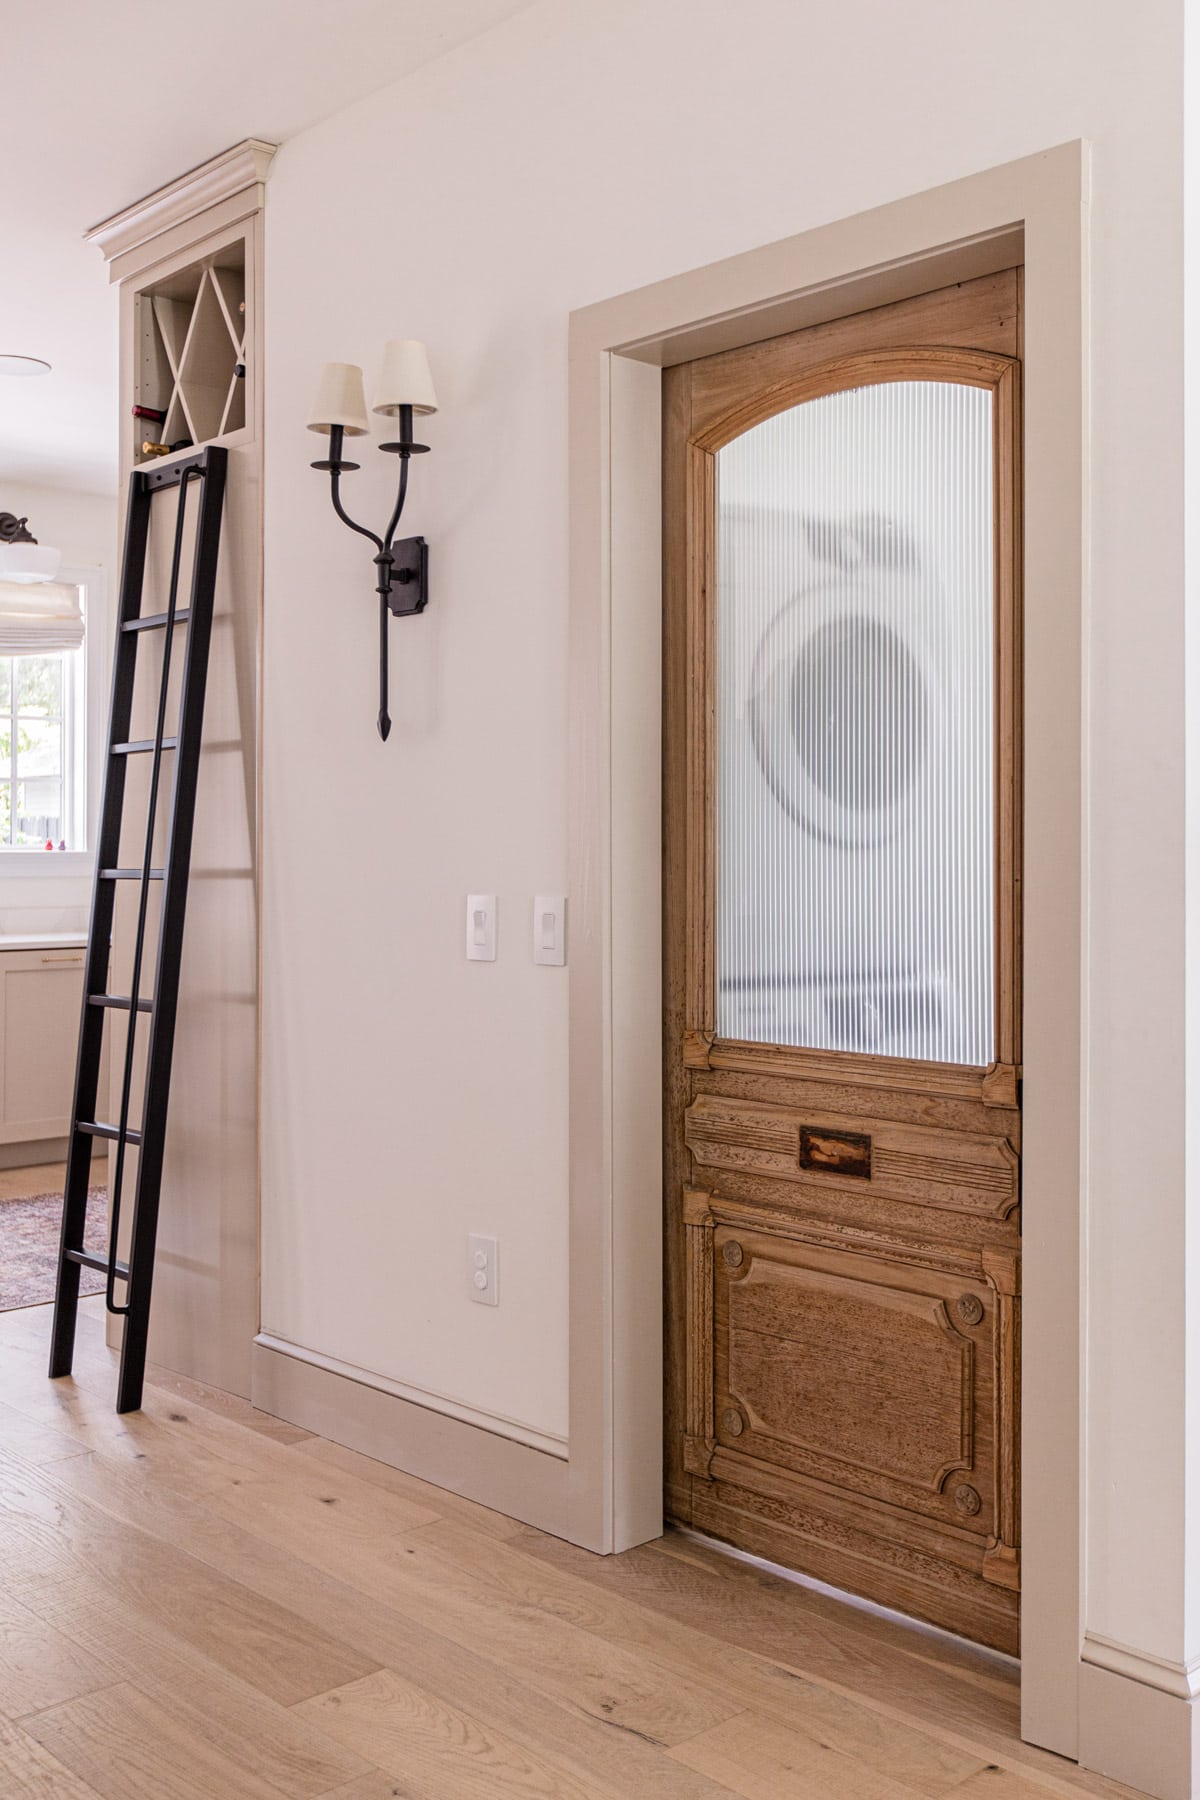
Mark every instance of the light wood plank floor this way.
pixel 199 1602
pixel 39 1178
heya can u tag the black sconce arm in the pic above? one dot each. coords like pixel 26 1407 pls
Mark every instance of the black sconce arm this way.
pixel 339 509
pixel 399 506
pixel 403 565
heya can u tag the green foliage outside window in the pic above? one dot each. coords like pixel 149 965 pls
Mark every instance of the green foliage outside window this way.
pixel 32 749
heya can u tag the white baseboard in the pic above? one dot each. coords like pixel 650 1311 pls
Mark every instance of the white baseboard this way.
pixel 375 1416
pixel 1182 1680
pixel 500 1423
pixel 1137 1731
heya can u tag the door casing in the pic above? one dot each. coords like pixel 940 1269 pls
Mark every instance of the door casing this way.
pixel 1032 211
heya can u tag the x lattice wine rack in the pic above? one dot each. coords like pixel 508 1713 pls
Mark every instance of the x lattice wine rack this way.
pixel 191 361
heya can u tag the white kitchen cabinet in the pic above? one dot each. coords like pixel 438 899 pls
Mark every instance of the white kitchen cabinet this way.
pixel 41 991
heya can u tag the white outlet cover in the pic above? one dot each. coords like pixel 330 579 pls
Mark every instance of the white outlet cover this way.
pixel 483 1270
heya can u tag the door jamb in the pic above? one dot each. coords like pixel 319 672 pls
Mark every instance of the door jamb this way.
pixel 1033 211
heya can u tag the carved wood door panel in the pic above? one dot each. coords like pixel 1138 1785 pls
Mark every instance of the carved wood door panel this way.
pixel 842 945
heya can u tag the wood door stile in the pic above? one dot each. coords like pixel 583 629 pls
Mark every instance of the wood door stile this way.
pixel 842 1229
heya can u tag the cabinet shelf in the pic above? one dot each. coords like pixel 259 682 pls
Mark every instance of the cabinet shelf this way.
pixel 192 330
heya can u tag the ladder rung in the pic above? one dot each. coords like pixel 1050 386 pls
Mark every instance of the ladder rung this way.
pixel 86 1260
pixel 128 874
pixel 118 1002
pixel 137 746
pixel 156 621
pixel 97 1128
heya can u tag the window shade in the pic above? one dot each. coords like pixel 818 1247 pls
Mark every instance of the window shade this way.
pixel 39 617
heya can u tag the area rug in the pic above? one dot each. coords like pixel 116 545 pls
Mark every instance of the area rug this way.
pixel 29 1233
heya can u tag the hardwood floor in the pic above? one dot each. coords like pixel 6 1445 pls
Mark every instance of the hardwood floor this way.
pixel 200 1602
pixel 37 1178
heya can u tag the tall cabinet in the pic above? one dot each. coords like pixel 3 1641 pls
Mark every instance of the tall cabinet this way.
pixel 188 262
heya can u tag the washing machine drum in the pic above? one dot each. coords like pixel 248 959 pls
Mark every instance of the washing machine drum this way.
pixel 841 710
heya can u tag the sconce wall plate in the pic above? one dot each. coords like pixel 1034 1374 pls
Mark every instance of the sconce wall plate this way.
pixel 410 574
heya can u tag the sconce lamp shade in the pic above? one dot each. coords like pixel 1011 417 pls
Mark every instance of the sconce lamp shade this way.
pixel 405 380
pixel 340 401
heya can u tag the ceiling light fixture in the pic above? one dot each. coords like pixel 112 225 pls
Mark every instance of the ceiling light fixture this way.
pixel 22 558
pixel 23 365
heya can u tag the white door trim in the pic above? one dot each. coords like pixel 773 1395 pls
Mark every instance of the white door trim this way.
pixel 1034 210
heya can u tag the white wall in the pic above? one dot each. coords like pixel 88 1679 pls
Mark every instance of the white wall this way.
pixel 577 151
pixel 84 526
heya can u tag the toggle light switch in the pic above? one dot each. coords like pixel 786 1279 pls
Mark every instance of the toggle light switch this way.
pixel 550 928
pixel 481 927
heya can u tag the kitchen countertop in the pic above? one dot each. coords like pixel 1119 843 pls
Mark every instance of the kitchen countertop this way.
pixel 43 940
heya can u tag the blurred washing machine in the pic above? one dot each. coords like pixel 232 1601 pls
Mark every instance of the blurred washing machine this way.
pixel 853 886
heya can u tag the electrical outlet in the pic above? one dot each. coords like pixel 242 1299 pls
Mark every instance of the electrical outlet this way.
pixel 483 1270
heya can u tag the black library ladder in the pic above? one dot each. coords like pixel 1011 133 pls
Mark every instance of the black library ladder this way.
pixel 206 470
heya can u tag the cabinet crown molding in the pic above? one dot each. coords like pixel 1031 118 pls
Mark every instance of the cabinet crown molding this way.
pixel 223 177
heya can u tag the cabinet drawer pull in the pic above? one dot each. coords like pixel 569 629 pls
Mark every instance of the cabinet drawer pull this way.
pixel 63 959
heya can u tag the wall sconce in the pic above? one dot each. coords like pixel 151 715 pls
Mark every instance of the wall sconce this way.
pixel 22 558
pixel 340 411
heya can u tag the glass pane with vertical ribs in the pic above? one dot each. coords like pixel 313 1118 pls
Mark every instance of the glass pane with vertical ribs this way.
pixel 855 739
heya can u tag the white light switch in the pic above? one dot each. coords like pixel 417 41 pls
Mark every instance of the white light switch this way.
pixel 483 1269
pixel 549 928
pixel 481 927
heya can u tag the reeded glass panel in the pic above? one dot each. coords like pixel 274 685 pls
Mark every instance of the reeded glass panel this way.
pixel 855 725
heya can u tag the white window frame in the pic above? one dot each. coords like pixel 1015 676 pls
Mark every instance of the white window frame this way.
pixel 84 737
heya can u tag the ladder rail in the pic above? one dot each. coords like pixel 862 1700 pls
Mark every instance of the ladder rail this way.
pixel 172 918
pixel 95 980
pixel 115 1194
pixel 207 468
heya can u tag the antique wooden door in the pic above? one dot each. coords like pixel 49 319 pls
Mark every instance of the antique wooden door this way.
pixel 842 1034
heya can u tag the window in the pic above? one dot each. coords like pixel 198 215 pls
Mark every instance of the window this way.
pixel 42 754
